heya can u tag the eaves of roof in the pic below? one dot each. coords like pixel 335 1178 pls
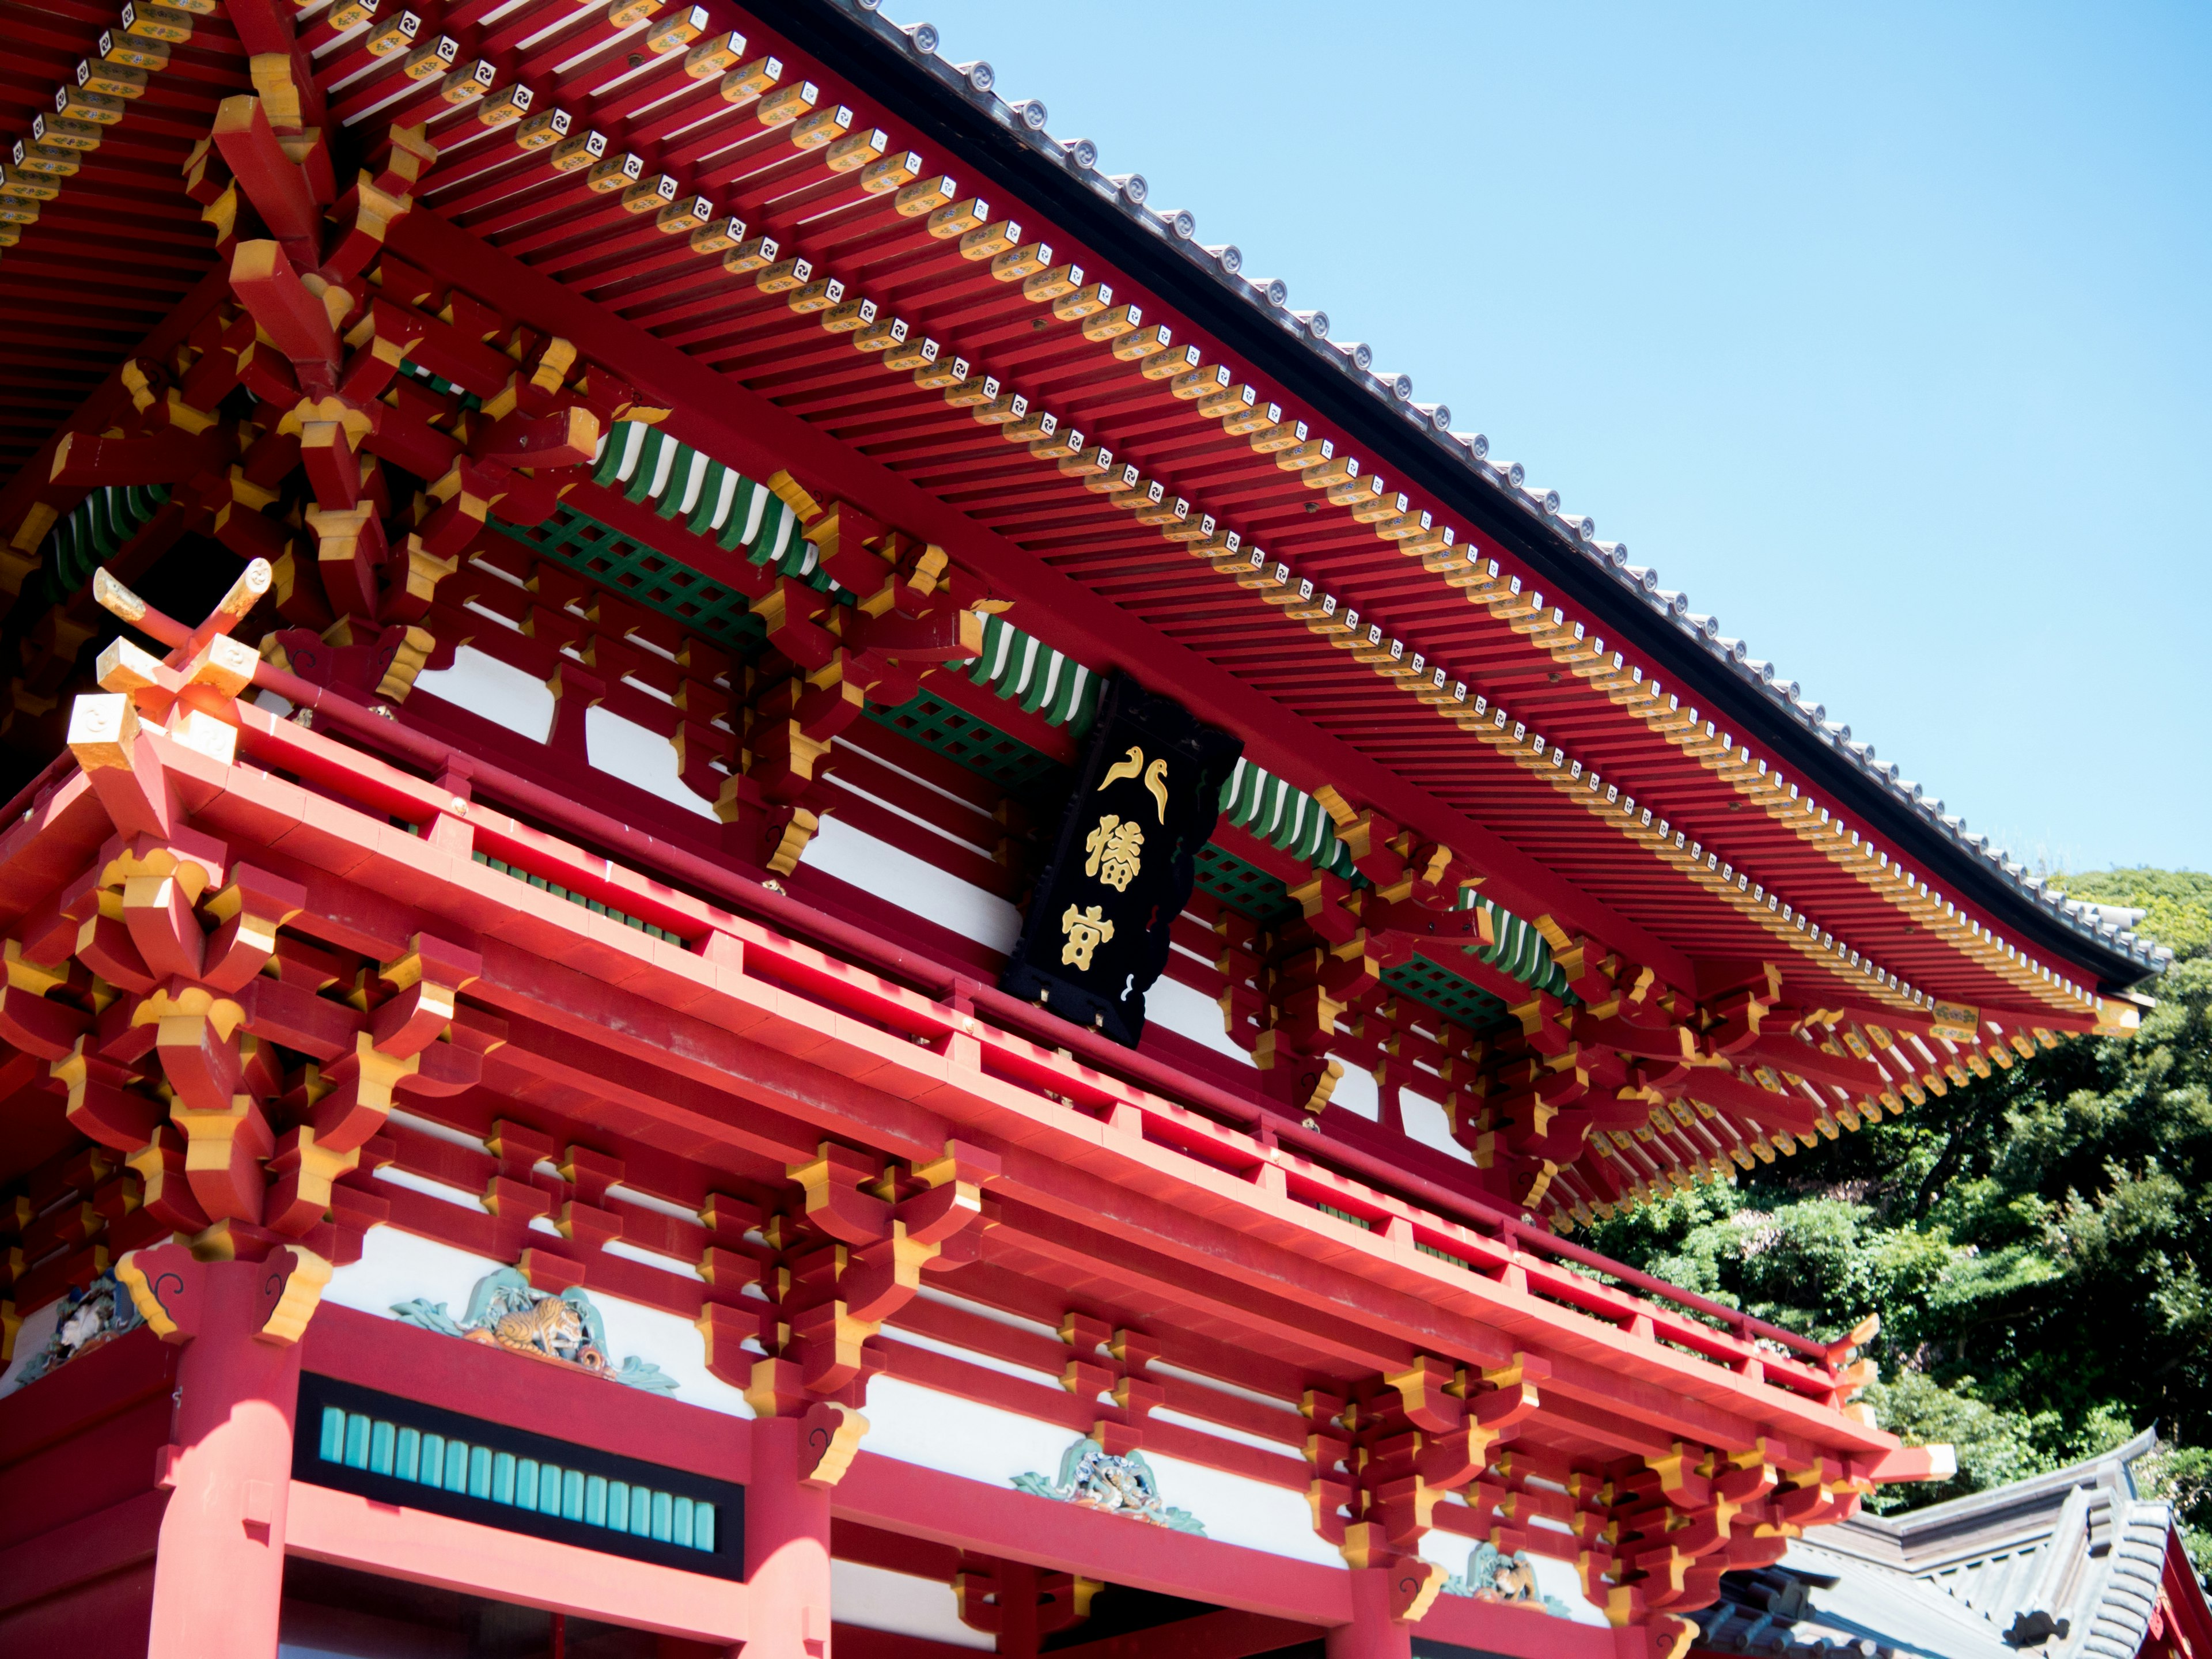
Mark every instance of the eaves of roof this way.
pixel 957 106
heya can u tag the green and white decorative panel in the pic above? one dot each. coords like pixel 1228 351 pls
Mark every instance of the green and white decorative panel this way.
pixel 1288 819
pixel 1037 678
pixel 94 532
pixel 1520 950
pixel 647 467
pixel 1244 888
pixel 401 1451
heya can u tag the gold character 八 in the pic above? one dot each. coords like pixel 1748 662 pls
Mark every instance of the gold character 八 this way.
pixel 1155 776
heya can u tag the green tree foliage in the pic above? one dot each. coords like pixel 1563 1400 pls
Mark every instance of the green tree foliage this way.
pixel 2037 1245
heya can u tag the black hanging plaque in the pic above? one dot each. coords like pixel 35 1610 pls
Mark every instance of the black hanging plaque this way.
pixel 1144 801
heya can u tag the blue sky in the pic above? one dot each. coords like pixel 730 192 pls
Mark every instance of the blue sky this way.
pixel 1885 332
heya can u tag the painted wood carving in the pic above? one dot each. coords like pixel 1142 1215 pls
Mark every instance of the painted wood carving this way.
pixel 505 1312
pixel 1093 1479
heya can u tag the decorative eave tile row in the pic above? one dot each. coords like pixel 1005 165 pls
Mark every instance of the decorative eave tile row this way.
pixel 1028 119
pixel 1119 329
pixel 1177 519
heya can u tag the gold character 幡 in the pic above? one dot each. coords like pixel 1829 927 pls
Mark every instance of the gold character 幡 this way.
pixel 1086 931
pixel 1114 845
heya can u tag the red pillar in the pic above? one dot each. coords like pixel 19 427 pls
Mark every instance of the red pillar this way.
pixel 1372 1633
pixel 219 1567
pixel 787 1550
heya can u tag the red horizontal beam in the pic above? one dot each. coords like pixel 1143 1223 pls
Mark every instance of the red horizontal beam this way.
pixel 743 429
pixel 91 1546
pixel 422 1548
pixel 906 1497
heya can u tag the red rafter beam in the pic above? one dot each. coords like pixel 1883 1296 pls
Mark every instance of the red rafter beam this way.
pixel 738 427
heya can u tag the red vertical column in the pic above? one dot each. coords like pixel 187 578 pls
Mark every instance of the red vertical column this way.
pixel 787 1550
pixel 1372 1633
pixel 219 1567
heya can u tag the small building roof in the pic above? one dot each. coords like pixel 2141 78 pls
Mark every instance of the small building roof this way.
pixel 2072 1564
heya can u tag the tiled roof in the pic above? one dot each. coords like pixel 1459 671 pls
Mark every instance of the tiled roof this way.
pixel 1026 119
pixel 2067 1565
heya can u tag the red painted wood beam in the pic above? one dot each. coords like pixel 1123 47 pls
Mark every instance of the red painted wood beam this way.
pixel 477 1381
pixel 273 182
pixel 99 407
pixel 744 430
pixel 90 1548
pixel 859 1642
pixel 398 1542
pixel 1368 1283
pixel 893 1551
pixel 101 1385
pixel 906 1497
pixel 1522 1632
pixel 1228 1634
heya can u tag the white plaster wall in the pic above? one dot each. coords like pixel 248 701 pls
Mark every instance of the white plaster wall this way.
pixel 1451 1551
pixel 989 1443
pixel 397 1266
pixel 1560 1579
pixel 1190 1013
pixel 1355 1091
pixel 486 686
pixel 879 1599
pixel 935 895
pixel 960 1437
pixel 1239 1510
pixel 639 756
pixel 1426 1121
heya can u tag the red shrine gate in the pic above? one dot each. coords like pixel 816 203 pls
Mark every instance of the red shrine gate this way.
pixel 516 1140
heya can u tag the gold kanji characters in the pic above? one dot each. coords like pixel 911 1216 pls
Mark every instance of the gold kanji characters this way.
pixel 1115 846
pixel 1086 930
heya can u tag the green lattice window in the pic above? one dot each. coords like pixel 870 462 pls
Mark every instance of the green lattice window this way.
pixel 646 575
pixel 957 735
pixel 1244 888
pixel 1455 999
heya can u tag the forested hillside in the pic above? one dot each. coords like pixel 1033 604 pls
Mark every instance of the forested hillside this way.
pixel 2037 1245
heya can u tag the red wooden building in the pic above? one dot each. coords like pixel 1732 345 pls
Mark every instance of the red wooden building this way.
pixel 779 880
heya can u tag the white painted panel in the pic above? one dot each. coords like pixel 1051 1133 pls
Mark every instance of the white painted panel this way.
pixel 878 1599
pixel 985 1442
pixel 1190 1013
pixel 397 1267
pixel 502 695
pixel 1426 1121
pixel 444 1191
pixel 959 1437
pixel 897 875
pixel 1356 1092
pixel 1555 1578
pixel 1239 1510
pixel 673 1343
pixel 639 756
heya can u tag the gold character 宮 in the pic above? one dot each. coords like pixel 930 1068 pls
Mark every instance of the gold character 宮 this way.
pixel 1086 930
